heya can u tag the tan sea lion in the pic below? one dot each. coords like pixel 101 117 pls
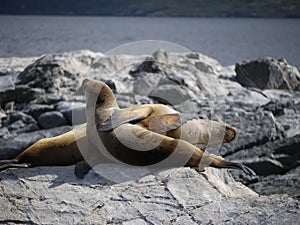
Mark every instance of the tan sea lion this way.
pixel 107 119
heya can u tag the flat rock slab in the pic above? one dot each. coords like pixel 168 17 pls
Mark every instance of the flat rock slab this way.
pixel 54 195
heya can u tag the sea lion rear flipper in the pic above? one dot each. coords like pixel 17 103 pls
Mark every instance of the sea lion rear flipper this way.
pixel 5 164
pixel 247 170
pixel 122 116
pixel 220 163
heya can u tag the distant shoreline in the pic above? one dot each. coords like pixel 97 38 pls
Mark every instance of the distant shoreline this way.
pixel 141 16
pixel 162 8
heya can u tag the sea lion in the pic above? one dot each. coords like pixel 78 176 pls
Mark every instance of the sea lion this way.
pixel 61 150
pixel 130 136
pixel 105 117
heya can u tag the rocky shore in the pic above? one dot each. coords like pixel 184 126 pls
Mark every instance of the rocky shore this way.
pixel 40 97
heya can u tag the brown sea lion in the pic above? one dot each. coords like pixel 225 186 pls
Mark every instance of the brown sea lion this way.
pixel 131 136
pixel 61 150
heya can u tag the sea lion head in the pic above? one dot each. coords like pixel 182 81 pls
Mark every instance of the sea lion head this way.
pixel 100 100
pixel 230 134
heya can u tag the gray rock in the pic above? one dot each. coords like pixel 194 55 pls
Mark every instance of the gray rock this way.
pixel 49 99
pixel 6 83
pixel 189 107
pixel 277 157
pixel 55 131
pixel 37 109
pixel 4 132
pixel 135 222
pixel 255 129
pixel 143 100
pixel 43 72
pixel 170 94
pixel 210 85
pixel 12 146
pixel 204 67
pixel 3 116
pixel 268 73
pixel 10 107
pixel 52 119
pixel 192 55
pixel 28 128
pixel 290 121
pixel 65 106
pixel 171 78
pixel 20 94
pixel 57 73
pixel 148 66
pixel 16 125
pixel 74 112
pixel 285 107
pixel 18 115
pixel 142 86
pixel 288 183
pixel 75 98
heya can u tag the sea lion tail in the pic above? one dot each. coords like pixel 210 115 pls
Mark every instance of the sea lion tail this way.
pixel 220 163
pixel 12 163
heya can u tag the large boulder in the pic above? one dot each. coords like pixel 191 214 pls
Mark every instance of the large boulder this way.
pixel 57 73
pixel 268 73
pixel 52 119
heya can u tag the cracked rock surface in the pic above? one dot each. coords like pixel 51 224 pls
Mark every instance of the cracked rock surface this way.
pixel 176 196
pixel 268 123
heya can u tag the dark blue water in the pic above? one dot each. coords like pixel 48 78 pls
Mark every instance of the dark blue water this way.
pixel 228 40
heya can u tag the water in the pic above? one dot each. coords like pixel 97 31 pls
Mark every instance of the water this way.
pixel 228 40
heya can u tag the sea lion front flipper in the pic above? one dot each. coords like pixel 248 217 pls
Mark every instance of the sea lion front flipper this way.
pixel 162 123
pixel 122 116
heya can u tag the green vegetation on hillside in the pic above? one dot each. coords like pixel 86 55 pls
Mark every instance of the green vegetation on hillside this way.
pixel 201 8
